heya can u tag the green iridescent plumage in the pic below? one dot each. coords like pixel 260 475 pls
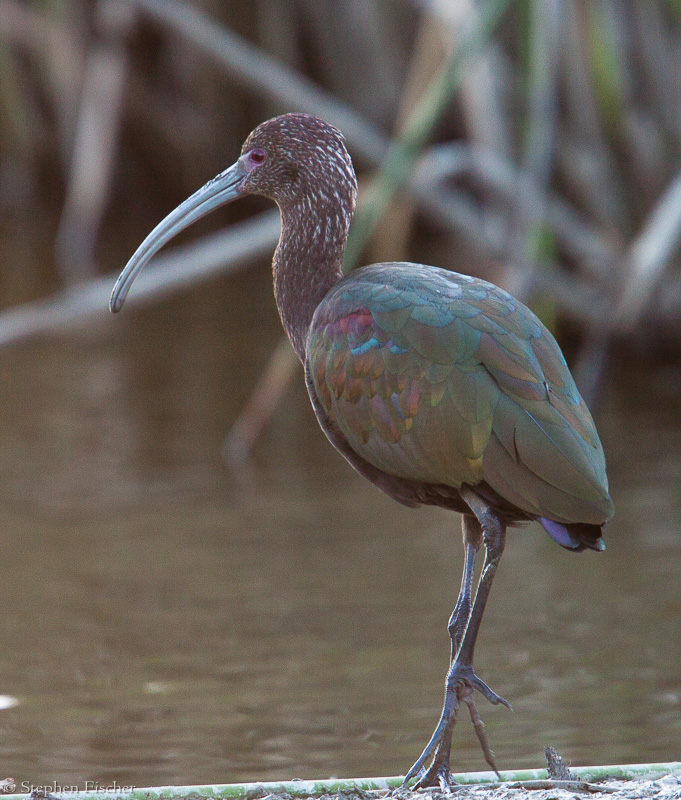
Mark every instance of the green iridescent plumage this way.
pixel 437 377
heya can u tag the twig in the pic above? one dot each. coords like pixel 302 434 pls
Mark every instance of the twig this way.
pixel 570 786
pixel 556 766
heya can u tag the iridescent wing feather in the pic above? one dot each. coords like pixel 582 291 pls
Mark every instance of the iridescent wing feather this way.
pixel 440 378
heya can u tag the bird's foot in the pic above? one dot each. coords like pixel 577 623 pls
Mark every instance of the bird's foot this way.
pixel 441 778
pixel 437 776
pixel 461 683
pixel 438 773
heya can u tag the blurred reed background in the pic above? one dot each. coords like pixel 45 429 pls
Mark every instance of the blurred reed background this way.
pixel 549 164
pixel 165 620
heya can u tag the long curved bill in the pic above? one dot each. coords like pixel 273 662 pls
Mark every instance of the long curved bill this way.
pixel 222 189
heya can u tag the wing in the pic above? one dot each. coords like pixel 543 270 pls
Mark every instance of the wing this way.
pixel 437 377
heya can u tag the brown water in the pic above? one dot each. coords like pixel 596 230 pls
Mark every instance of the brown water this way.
pixel 167 622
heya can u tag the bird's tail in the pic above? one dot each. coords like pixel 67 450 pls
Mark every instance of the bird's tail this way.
pixel 574 535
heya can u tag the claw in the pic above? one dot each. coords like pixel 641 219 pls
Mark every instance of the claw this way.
pixel 446 781
pixel 485 691
pixel 461 683
pixel 417 770
pixel 441 777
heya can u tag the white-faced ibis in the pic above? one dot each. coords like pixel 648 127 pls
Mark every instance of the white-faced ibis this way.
pixel 439 388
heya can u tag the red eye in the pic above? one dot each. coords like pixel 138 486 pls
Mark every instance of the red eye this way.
pixel 257 155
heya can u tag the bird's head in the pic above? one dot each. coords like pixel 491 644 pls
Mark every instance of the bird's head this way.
pixel 294 159
pixel 296 156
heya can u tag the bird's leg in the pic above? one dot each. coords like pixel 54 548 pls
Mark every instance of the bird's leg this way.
pixel 472 539
pixel 494 537
pixel 461 679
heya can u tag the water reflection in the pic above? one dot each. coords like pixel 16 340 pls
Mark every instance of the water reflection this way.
pixel 166 622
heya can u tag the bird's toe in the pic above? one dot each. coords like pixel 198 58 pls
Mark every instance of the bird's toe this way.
pixel 463 676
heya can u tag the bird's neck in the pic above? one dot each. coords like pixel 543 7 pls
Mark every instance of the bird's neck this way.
pixel 308 261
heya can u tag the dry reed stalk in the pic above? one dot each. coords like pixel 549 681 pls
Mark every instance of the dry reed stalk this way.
pixel 95 142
